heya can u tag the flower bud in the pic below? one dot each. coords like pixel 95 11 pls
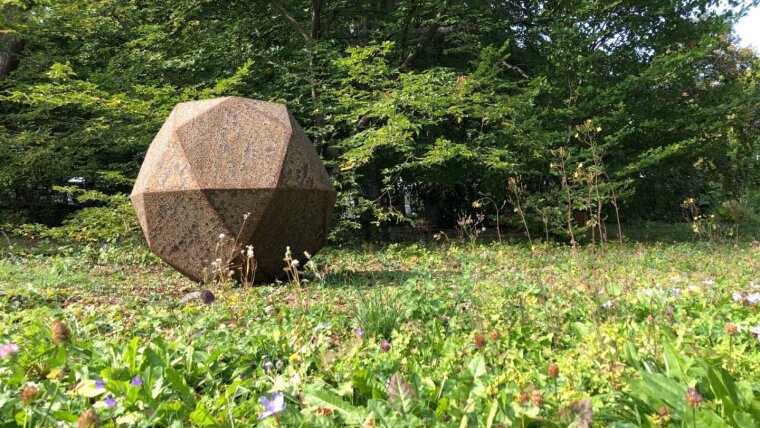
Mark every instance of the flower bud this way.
pixel 731 329
pixel 693 398
pixel 385 346
pixel 60 332
pixel 88 419
pixel 29 394
pixel 479 341
pixel 553 370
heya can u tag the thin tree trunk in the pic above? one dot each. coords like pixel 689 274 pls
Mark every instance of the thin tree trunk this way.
pixel 10 51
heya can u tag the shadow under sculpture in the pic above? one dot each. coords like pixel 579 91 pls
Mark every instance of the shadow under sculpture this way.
pixel 214 160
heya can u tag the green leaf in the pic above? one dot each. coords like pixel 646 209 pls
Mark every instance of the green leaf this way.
pixel 178 382
pixel 401 394
pixel 322 398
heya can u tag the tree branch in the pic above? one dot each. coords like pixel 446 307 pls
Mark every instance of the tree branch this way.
pixel 291 18
pixel 514 68
pixel 425 39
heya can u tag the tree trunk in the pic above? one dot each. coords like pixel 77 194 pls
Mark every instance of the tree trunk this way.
pixel 10 49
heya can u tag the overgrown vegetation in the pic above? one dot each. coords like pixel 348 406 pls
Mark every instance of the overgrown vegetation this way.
pixel 443 334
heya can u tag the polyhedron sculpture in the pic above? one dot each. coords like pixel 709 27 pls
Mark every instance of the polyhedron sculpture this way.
pixel 215 160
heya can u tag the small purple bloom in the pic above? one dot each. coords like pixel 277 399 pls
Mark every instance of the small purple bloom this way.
pixel 358 331
pixel 136 381
pixel 110 401
pixel 385 346
pixel 753 298
pixel 99 384
pixel 272 406
pixel 737 297
pixel 670 310
pixel 267 366
pixel 8 349
pixel 608 304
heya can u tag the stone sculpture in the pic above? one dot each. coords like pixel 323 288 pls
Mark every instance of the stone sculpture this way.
pixel 214 160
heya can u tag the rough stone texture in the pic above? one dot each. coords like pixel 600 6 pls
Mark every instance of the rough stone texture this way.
pixel 213 161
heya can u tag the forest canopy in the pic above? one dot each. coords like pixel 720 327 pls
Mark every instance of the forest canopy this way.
pixel 421 109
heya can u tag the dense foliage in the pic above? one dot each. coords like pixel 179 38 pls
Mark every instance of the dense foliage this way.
pixel 449 334
pixel 432 102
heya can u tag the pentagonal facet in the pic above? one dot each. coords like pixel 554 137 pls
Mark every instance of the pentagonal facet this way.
pixel 215 160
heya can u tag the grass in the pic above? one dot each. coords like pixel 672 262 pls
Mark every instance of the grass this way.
pixel 476 327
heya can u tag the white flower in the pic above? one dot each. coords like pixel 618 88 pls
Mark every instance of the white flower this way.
pixel 295 263
pixel 754 286
pixel 693 288
pixel 648 292
pixel 708 282
pixel 249 251
pixel 737 297
pixel 753 298
pixel 756 331
pixel 267 309
pixel 222 235
pixel 232 272
pixel 608 304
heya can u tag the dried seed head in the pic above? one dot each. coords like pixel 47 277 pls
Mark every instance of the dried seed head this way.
pixel 479 341
pixel 731 329
pixel 664 413
pixel 553 370
pixel 494 336
pixel 60 332
pixel 88 419
pixel 29 394
pixel 694 398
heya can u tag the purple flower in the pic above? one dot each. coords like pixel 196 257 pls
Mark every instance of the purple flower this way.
pixel 99 384
pixel 737 297
pixel 136 381
pixel 608 304
pixel 272 406
pixel 358 331
pixel 8 349
pixel 325 324
pixel 670 310
pixel 110 401
pixel 753 298
pixel 267 366
pixel 385 346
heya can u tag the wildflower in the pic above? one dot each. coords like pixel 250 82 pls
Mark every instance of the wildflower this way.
pixel 231 272
pixel 88 418
pixel 670 310
pixel 136 381
pixel 324 324
pixel 608 304
pixel 731 329
pixel 8 349
pixel 99 384
pixel 737 297
pixel 272 406
pixel 553 370
pixel 267 366
pixel 692 288
pixel 479 341
pixel 222 235
pixel 295 263
pixel 110 402
pixel 756 331
pixel 278 365
pixel 664 414
pixel 267 309
pixel 708 282
pixel 28 394
pixel 754 286
pixel 358 331
pixel 207 297
pixel 537 398
pixel 385 346
pixel 494 335
pixel 60 332
pixel 249 251
pixel 693 398
pixel 753 298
